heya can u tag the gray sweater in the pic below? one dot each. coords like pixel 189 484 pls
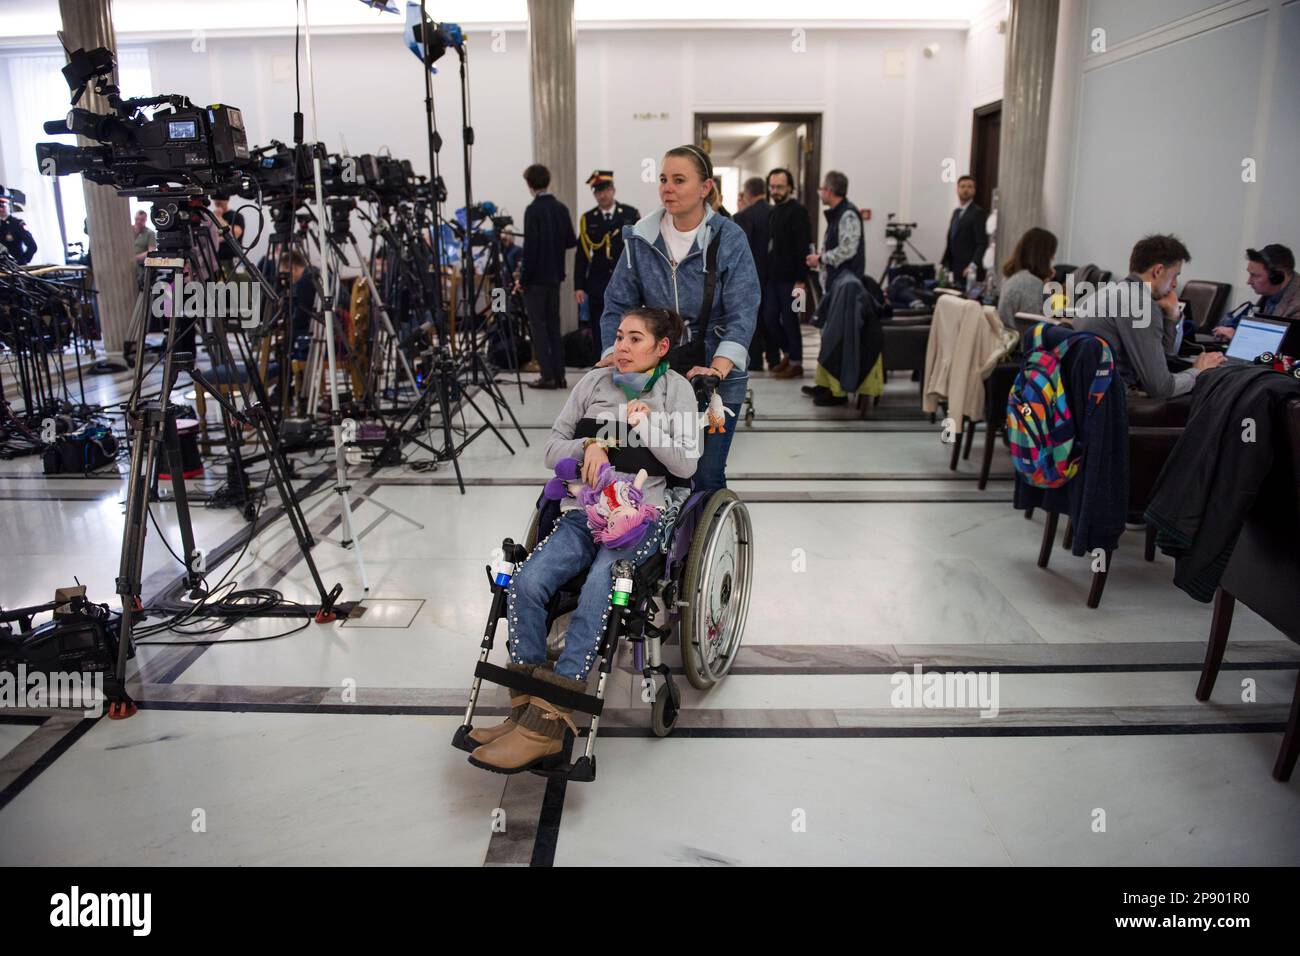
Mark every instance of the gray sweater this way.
pixel 1138 333
pixel 1023 292
pixel 671 433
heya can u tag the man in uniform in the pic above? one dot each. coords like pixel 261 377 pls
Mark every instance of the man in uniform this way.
pixel 13 234
pixel 600 245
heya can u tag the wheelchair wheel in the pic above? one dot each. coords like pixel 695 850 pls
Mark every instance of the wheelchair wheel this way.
pixel 664 710
pixel 715 586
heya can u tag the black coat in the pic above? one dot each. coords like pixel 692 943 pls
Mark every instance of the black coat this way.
pixel 852 335
pixel 1213 475
pixel 548 236
pixel 790 236
pixel 1096 499
pixel 15 238
pixel 756 219
pixel 970 241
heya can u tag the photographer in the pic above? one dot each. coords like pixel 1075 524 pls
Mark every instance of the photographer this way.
pixel 225 254
pixel 14 235
pixel 143 238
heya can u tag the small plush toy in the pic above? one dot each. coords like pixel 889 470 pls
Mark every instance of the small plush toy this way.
pixel 616 512
pixel 713 415
pixel 567 481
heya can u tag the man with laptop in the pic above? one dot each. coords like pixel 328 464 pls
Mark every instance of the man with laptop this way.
pixel 1270 273
pixel 1139 318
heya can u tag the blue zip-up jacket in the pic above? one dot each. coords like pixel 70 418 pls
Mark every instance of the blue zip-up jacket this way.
pixel 644 276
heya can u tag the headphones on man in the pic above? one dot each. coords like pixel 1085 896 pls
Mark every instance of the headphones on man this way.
pixel 1275 275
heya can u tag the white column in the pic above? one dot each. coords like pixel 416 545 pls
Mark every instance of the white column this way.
pixel 1026 98
pixel 552 45
pixel 88 24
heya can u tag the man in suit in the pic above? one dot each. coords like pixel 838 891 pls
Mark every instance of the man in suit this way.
pixel 548 236
pixel 600 245
pixel 753 217
pixel 966 232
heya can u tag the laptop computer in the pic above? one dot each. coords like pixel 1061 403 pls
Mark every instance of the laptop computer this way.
pixel 1255 336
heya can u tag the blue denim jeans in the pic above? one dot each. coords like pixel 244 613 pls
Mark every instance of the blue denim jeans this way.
pixel 555 560
pixel 711 472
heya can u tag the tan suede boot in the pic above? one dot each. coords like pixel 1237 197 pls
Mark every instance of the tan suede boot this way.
pixel 538 736
pixel 518 703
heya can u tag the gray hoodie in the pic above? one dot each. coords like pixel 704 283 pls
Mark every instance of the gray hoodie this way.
pixel 671 433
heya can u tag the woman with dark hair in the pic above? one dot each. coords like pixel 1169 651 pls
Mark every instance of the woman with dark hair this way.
pixel 653 414
pixel 1026 272
pixel 689 258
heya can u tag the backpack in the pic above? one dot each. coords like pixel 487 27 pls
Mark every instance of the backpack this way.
pixel 1044 448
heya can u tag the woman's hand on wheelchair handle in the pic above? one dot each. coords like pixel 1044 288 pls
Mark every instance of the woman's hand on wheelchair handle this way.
pixel 593 461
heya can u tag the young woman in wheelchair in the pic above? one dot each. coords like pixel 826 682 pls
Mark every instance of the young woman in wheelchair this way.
pixel 653 410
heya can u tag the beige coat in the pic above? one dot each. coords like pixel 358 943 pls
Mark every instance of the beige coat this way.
pixel 966 340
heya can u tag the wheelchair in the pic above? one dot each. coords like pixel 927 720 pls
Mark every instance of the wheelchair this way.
pixel 694 590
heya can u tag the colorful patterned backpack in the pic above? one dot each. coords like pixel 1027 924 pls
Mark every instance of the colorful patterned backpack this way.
pixel 1044 449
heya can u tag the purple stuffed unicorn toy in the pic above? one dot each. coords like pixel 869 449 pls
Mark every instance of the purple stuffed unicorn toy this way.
pixel 616 512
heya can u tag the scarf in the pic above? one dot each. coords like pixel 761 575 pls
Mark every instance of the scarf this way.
pixel 636 384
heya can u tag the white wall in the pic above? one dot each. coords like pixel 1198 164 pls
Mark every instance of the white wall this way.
pixel 982 78
pixel 672 74
pixel 778 151
pixel 889 130
pixel 1183 94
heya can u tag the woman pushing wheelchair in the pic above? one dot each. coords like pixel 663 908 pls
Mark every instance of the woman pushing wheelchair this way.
pixel 639 417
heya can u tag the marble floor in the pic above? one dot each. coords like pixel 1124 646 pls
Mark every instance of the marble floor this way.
pixel 331 744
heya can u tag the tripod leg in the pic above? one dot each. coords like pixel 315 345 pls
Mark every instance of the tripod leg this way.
pixel 171 459
pixel 445 406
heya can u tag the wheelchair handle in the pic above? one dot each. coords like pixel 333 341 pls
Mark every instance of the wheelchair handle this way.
pixel 705 386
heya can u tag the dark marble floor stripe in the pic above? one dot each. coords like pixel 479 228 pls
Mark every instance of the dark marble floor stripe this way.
pixel 70 494
pixel 1247 718
pixel 522 802
pixel 548 823
pixel 532 481
pixel 34 755
pixel 974 730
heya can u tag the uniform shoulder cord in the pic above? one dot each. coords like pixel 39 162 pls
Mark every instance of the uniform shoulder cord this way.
pixel 588 247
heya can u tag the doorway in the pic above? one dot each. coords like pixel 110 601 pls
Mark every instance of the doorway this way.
pixel 985 140
pixel 742 145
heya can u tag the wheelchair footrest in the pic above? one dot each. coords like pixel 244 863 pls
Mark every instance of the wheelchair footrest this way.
pixel 461 739
pixel 582 770
pixel 559 696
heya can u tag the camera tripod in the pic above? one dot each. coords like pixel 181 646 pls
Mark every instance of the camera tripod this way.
pixel 151 425
pixel 897 255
